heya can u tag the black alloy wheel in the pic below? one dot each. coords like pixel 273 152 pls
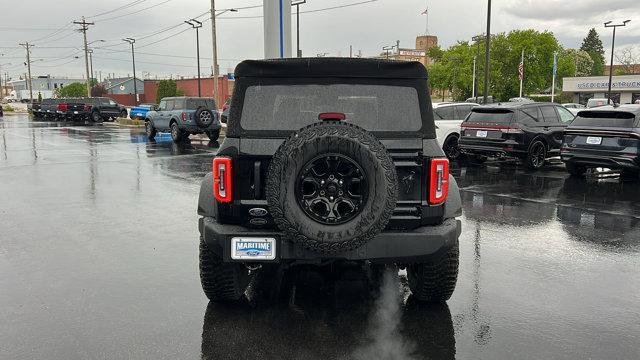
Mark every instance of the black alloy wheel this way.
pixel 451 148
pixel 332 189
pixel 537 155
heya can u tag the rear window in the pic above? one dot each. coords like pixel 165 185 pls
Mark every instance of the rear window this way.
pixel 490 116
pixel 620 119
pixel 193 104
pixel 290 107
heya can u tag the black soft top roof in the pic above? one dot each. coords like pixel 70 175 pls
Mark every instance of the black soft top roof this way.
pixel 331 67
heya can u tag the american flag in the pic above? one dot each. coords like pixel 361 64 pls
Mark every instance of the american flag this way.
pixel 520 70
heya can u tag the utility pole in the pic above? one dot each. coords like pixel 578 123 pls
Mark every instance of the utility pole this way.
pixel 613 42
pixel 197 25
pixel 84 26
pixel 28 46
pixel 297 5
pixel 486 54
pixel 133 59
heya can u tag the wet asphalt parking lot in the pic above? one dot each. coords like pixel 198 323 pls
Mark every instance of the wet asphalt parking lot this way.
pixel 99 249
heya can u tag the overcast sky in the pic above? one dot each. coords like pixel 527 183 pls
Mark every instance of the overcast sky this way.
pixel 367 27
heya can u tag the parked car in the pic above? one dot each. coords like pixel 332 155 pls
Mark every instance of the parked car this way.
pixel 330 160
pixel 595 102
pixel 480 99
pixel 574 107
pixel 520 99
pixel 49 109
pixel 140 111
pixel 182 116
pixel 531 132
pixel 448 117
pixel 104 108
pixel 607 137
pixel 225 111
pixel 73 109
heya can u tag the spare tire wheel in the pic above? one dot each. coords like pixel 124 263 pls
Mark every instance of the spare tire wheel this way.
pixel 203 117
pixel 331 186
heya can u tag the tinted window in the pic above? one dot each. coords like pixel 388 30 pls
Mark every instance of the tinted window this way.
pixel 445 113
pixel 195 103
pixel 490 116
pixel 462 111
pixel 549 114
pixel 620 119
pixel 529 115
pixel 565 115
pixel 373 107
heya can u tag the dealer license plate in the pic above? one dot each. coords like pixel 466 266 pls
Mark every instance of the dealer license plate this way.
pixel 481 133
pixel 253 248
pixel 594 140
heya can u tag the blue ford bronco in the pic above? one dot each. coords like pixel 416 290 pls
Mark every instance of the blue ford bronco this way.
pixel 326 161
pixel 183 116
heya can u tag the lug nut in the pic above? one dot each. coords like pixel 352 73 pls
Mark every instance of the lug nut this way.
pixel 340 193
pixel 331 177
pixel 321 192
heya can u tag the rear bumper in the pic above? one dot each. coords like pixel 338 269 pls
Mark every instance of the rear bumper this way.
pixel 406 247
pixel 611 160
pixel 500 150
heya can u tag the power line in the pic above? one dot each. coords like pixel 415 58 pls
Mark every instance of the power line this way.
pixel 303 12
pixel 133 12
pixel 128 5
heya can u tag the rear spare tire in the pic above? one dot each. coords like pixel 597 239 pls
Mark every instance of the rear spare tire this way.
pixel 203 117
pixel 331 186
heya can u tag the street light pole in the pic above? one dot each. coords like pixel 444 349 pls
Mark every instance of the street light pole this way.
pixel 216 70
pixel 90 51
pixel 613 42
pixel 297 5
pixel 133 59
pixel 197 25
pixel 486 53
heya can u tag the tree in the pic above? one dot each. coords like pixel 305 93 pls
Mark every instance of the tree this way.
pixel 582 62
pixel 593 45
pixel 75 89
pixel 435 53
pixel 98 90
pixel 167 88
pixel 629 59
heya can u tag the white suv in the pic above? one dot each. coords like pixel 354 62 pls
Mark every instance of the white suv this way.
pixel 448 117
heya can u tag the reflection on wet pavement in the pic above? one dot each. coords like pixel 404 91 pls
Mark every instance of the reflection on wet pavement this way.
pixel 98 256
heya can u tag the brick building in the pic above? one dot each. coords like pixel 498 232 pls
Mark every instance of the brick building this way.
pixel 190 88
pixel 419 53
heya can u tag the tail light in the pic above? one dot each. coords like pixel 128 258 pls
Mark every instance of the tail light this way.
pixel 184 116
pixel 514 129
pixel 222 184
pixel 439 181
pixel 62 107
pixel 86 108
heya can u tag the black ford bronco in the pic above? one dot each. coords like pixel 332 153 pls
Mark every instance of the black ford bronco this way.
pixel 329 160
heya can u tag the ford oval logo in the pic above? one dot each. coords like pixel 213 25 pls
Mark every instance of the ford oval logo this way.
pixel 258 221
pixel 257 212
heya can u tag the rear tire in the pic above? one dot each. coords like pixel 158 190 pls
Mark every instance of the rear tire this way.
pixel 435 281
pixel 123 114
pixel 96 117
pixel 576 170
pixel 177 135
pixel 221 281
pixel 213 135
pixel 451 148
pixel 536 155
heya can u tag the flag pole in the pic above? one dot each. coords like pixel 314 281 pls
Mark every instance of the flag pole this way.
pixel 521 72
pixel 553 79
